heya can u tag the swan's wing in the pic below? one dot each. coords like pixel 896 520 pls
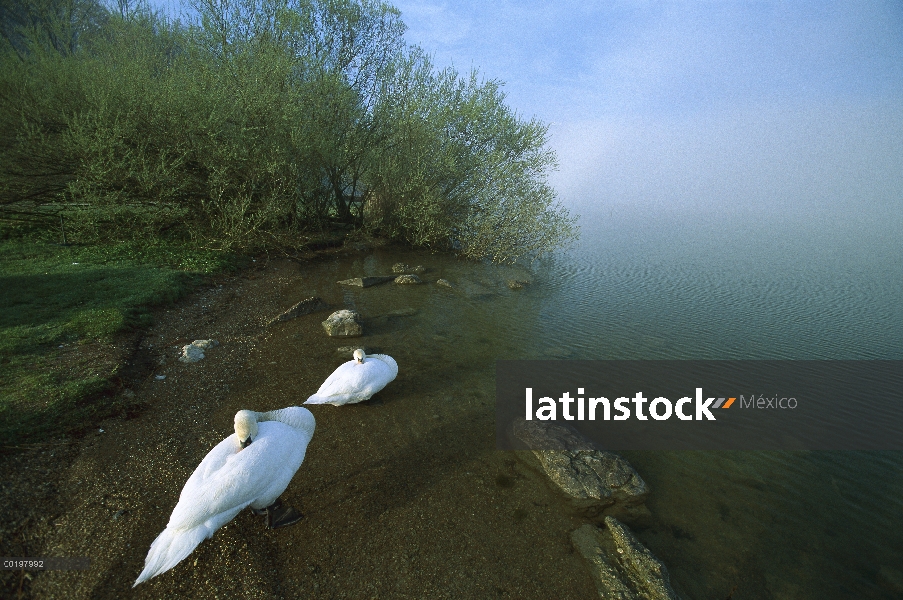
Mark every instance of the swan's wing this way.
pixel 240 479
pixel 389 361
pixel 297 417
pixel 344 383
pixel 209 466
pixel 348 377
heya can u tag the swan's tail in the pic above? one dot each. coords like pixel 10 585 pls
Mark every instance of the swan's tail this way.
pixel 169 549
pixel 314 399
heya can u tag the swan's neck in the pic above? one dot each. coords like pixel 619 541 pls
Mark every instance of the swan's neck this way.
pixel 270 415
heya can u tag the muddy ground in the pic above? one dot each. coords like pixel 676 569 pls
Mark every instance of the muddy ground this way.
pixel 399 501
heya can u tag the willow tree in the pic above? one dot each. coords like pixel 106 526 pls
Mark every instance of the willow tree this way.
pixel 460 170
pixel 257 119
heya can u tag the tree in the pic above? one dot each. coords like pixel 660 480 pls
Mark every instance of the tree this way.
pixel 262 118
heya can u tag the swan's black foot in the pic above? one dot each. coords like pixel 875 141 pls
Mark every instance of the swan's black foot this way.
pixel 260 512
pixel 279 515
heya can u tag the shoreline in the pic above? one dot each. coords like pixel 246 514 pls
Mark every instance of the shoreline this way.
pixel 398 501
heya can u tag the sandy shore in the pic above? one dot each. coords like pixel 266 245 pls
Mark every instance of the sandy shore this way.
pixel 399 501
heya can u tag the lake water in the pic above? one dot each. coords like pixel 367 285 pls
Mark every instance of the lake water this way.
pixel 652 283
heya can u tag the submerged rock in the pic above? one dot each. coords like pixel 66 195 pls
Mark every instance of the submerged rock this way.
pixel 194 351
pixel 401 268
pixel 367 281
pixel 408 279
pixel 305 307
pixel 621 566
pixel 517 284
pixel 474 290
pixel 343 323
pixel 444 282
pixel 598 483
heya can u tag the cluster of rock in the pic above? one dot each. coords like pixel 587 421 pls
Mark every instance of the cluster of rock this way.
pixel 604 488
pixel 405 274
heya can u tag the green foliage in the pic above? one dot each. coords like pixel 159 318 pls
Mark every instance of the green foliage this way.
pixel 261 119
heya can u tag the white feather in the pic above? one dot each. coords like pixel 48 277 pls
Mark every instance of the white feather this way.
pixel 356 381
pixel 229 480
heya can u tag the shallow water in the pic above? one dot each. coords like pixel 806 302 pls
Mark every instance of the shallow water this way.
pixel 755 283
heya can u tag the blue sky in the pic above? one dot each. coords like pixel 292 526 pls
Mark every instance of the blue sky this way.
pixel 572 60
pixel 675 102
pixel 682 102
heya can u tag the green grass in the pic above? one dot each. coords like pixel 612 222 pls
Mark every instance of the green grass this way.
pixel 80 298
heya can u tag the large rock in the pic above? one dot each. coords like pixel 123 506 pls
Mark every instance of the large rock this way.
pixel 621 566
pixel 344 323
pixel 194 351
pixel 367 281
pixel 598 483
pixel 305 307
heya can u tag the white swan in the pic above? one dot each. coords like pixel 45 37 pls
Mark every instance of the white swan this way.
pixel 235 475
pixel 356 380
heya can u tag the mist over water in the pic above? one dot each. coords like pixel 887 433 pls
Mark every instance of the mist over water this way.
pixel 756 236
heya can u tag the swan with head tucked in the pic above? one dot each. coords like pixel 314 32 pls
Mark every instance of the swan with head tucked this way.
pixel 250 469
pixel 356 380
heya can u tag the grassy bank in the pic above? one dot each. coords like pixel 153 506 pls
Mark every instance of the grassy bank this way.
pixel 62 311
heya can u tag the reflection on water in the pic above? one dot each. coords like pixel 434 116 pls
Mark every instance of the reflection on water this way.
pixel 815 525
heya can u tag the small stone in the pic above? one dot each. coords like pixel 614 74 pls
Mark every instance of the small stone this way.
pixel 160 377
pixel 367 281
pixel 444 282
pixel 343 323
pixel 401 268
pixel 407 279
pixel 194 351
pixel 305 307
pixel 351 349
